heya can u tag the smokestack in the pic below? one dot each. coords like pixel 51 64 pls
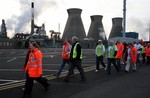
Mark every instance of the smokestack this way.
pixel 32 18
pixel 96 30
pixel 116 27
pixel 74 25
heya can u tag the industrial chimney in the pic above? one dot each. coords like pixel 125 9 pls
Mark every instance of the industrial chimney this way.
pixel 96 30
pixel 32 18
pixel 74 25
pixel 116 27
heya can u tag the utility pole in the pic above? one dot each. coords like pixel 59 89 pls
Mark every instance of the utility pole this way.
pixel 149 31
pixel 124 18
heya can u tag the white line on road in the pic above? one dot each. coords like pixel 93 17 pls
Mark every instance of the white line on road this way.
pixel 22 70
pixel 4 80
pixel 11 70
pixel 11 59
pixel 12 52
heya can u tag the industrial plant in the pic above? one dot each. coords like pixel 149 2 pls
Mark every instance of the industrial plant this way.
pixel 74 27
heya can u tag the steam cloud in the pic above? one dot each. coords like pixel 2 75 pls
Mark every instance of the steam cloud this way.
pixel 140 26
pixel 22 23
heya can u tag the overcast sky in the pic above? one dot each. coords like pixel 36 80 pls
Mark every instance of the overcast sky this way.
pixel 17 14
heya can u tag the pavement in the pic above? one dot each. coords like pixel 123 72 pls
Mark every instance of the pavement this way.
pixel 98 85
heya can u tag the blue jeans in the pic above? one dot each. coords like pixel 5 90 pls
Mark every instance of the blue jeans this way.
pixel 63 62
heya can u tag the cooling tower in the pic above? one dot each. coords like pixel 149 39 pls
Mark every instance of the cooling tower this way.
pixel 116 27
pixel 96 30
pixel 74 25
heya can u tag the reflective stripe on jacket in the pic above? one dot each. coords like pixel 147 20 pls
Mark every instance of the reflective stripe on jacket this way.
pixel 66 51
pixel 120 48
pixel 75 51
pixel 143 49
pixel 99 50
pixel 111 52
pixel 133 54
pixel 147 51
pixel 34 65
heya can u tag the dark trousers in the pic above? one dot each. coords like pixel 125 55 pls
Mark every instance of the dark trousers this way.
pixel 143 56
pixel 148 60
pixel 118 60
pixel 29 83
pixel 112 61
pixel 99 59
pixel 63 62
pixel 137 59
pixel 77 64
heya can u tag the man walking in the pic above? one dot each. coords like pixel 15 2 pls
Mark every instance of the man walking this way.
pixel 65 56
pixel 99 51
pixel 112 50
pixel 131 58
pixel 119 54
pixel 75 59
pixel 34 70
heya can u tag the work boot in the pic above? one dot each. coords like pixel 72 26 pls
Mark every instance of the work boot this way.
pixel 46 87
pixel 66 80
pixel 83 79
pixel 56 75
pixel 26 96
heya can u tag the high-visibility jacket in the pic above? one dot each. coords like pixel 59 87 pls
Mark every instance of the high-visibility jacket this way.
pixel 143 49
pixel 120 48
pixel 66 51
pixel 147 50
pixel 75 51
pixel 34 65
pixel 100 49
pixel 133 54
pixel 111 51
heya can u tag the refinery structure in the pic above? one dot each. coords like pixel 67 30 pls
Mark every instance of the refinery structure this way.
pixel 74 27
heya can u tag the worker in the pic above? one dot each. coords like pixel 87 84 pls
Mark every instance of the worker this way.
pixel 76 60
pixel 34 70
pixel 147 53
pixel 138 46
pixel 99 51
pixel 143 54
pixel 112 51
pixel 65 57
pixel 119 54
pixel 131 58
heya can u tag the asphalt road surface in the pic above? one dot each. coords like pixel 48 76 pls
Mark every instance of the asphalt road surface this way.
pixel 98 85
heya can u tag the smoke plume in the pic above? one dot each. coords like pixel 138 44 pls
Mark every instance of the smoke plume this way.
pixel 21 23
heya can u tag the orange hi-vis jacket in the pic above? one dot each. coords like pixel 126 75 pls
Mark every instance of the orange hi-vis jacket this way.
pixel 66 51
pixel 34 65
pixel 133 54
pixel 147 50
pixel 120 48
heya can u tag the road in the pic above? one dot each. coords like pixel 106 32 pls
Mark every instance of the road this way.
pixel 98 85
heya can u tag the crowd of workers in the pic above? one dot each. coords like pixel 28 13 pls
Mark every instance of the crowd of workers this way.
pixel 72 55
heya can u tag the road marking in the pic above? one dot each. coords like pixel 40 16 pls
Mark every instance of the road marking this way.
pixel 4 80
pixel 22 70
pixel 11 70
pixel 49 77
pixel 12 52
pixel 11 59
pixel 25 52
